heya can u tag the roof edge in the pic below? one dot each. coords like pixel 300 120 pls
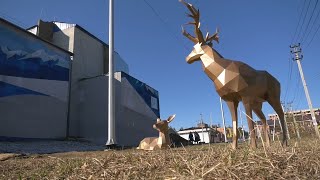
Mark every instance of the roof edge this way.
pixel 33 35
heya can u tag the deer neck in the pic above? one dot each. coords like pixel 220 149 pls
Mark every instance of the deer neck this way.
pixel 164 138
pixel 210 56
pixel 212 62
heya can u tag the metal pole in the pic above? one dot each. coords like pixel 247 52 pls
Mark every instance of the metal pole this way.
pixel 285 122
pixel 315 124
pixel 210 119
pixel 223 121
pixel 202 127
pixel 243 137
pixel 274 129
pixel 111 120
pixel 296 51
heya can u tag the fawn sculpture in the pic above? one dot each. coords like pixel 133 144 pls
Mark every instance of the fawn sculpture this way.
pixel 235 81
pixel 161 142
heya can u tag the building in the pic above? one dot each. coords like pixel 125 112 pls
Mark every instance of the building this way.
pixel 300 115
pixel 206 134
pixel 34 85
pixel 85 115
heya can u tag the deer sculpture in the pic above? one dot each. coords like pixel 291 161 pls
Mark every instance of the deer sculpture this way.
pixel 235 81
pixel 161 142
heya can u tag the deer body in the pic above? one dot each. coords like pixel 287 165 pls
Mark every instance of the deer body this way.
pixel 241 78
pixel 161 142
pixel 235 81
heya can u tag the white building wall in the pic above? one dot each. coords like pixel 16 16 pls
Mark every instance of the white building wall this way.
pixel 204 135
pixel 87 62
pixel 64 39
pixel 131 124
pixel 33 102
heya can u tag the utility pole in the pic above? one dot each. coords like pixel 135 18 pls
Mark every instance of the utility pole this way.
pixel 285 120
pixel 223 121
pixel 294 120
pixel 111 143
pixel 296 50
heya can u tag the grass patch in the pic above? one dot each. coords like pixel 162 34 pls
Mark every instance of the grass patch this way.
pixel 301 160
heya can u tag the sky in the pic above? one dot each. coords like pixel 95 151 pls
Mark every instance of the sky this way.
pixel 148 37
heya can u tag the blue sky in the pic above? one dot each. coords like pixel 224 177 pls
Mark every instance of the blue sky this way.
pixel 256 32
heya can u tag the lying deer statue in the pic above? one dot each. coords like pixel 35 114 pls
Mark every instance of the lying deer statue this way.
pixel 161 142
pixel 235 81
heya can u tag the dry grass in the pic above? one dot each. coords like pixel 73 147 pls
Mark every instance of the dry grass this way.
pixel 301 160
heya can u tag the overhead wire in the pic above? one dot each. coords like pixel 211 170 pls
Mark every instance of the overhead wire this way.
pixel 313 26
pixel 300 16
pixel 314 35
pixel 288 77
pixel 290 64
pixel 12 19
pixel 306 29
pixel 303 21
pixel 165 24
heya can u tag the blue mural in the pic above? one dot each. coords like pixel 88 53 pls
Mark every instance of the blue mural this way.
pixel 10 90
pixel 24 56
pixel 37 64
pixel 146 92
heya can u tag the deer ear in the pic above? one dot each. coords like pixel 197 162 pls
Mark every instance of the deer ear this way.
pixel 171 118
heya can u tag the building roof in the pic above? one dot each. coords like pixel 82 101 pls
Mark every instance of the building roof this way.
pixel 60 26
pixel 33 35
pixel 195 129
pixel 64 25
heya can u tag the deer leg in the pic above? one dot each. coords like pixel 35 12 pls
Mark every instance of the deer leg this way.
pixel 252 132
pixel 233 107
pixel 276 105
pixel 257 110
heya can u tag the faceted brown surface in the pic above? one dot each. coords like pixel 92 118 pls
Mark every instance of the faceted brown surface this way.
pixel 235 81
pixel 161 142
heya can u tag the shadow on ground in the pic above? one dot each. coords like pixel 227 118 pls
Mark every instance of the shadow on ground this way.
pixel 47 146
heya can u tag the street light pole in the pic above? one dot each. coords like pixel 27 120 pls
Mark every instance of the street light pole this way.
pixel 111 119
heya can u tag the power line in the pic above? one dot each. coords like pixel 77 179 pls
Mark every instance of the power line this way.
pixel 314 35
pixel 313 25
pixel 300 16
pixel 12 19
pixel 165 23
pixel 314 8
pixel 288 77
pixel 304 18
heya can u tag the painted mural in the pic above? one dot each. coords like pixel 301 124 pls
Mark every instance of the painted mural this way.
pixel 22 56
pixel 34 85
pixel 148 94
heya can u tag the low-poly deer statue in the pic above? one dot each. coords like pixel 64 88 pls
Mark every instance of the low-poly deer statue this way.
pixel 161 142
pixel 235 81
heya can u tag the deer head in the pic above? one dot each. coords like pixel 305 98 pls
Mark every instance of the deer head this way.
pixel 201 43
pixel 163 126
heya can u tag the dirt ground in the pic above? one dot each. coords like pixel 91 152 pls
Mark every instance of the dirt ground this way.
pixel 300 160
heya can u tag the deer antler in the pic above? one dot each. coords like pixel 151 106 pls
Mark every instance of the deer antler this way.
pixel 215 37
pixel 195 14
